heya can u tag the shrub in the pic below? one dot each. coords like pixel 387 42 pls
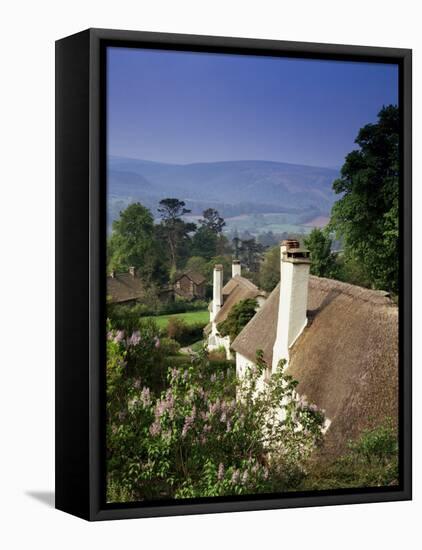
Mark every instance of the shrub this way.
pixel 196 439
pixel 181 305
pixel 371 461
pixel 239 316
pixel 169 346
pixel 183 332
pixel 218 354
pixel 134 356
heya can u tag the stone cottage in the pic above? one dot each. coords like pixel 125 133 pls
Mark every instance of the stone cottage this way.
pixel 190 285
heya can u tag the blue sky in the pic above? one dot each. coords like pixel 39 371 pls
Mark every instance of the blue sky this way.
pixel 182 107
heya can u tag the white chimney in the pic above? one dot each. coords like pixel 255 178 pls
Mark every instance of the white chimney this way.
pixel 217 298
pixel 294 279
pixel 236 268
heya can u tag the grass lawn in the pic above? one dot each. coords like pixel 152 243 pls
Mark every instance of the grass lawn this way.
pixel 190 317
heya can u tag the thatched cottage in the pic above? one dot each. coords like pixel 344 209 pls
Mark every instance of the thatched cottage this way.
pixel 124 288
pixel 224 298
pixel 127 288
pixel 340 342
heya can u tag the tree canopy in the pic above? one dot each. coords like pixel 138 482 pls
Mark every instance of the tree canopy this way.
pixel 133 243
pixel 269 274
pixel 212 220
pixel 173 229
pixel 323 260
pixel 366 216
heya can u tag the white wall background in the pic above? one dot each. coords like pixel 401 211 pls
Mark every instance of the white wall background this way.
pixel 27 36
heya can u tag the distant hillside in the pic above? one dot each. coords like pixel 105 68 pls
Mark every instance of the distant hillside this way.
pixel 235 188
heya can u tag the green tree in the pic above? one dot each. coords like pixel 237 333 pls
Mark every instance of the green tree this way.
pixel 366 217
pixel 212 221
pixel 239 316
pixel 269 273
pixel 204 243
pixel 323 260
pixel 132 243
pixel 173 229
pixel 250 252
pixel 198 264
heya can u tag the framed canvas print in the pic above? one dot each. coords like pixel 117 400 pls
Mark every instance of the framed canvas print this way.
pixel 233 274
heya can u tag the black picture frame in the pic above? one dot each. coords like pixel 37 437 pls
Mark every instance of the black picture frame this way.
pixel 80 271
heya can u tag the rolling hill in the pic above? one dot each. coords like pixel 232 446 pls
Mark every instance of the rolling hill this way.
pixel 235 188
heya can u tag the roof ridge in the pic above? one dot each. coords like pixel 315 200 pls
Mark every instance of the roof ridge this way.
pixel 380 297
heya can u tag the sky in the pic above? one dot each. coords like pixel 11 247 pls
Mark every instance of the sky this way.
pixel 185 107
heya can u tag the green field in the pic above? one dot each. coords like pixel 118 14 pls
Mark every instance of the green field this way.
pixel 190 317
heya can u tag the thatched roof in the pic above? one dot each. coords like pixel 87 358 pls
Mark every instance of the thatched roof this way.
pixel 124 287
pixel 238 288
pixel 346 360
pixel 194 276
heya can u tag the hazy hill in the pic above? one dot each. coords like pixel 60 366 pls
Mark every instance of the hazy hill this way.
pixel 235 187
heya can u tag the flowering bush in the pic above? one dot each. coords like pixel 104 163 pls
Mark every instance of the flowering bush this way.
pixel 206 433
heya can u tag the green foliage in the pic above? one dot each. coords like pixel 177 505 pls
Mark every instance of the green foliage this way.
pixel 212 221
pixel 372 461
pixel 323 260
pixel 133 243
pixel 366 217
pixel 269 274
pixel 203 435
pixel 183 332
pixel 198 264
pixel 174 230
pixel 225 261
pixel 132 356
pixel 128 316
pixel 350 270
pixel 250 252
pixel 239 316
pixel 204 243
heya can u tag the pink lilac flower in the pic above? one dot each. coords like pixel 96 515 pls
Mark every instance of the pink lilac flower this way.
pixel 166 404
pixel 213 407
pixel 134 339
pixel 220 473
pixel 137 383
pixel 145 397
pixel 189 420
pixel 154 429
pixel 245 477
pixel 235 476
pixel 223 417
pixel 157 342
pixel 120 334
pixel 174 373
pixel 213 378
pixel 228 427
pixel 110 335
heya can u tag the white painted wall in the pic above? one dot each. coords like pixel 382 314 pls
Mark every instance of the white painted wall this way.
pixel 217 288
pixel 292 307
pixel 236 269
